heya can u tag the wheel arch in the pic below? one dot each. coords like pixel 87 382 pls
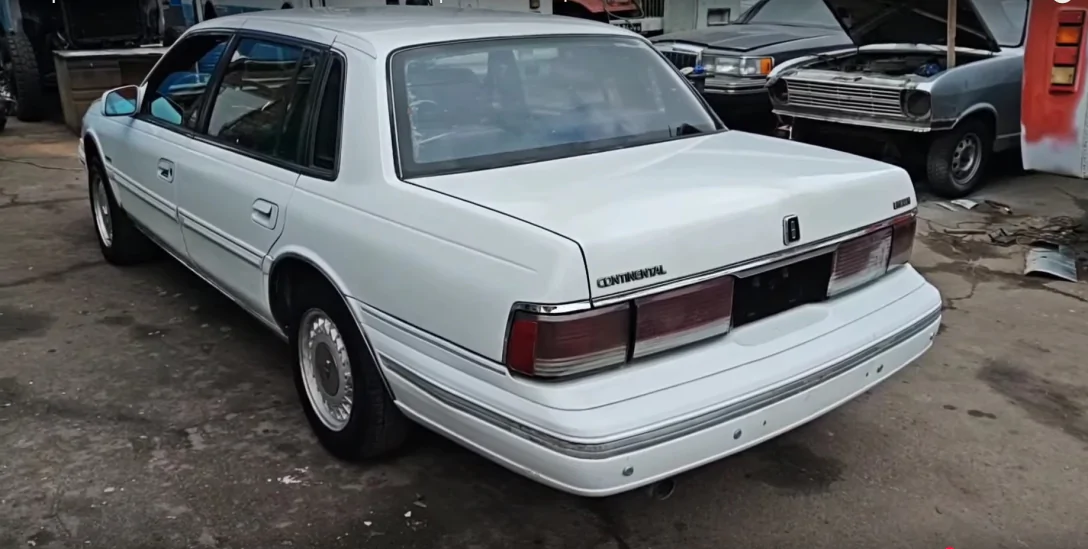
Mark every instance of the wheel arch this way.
pixel 984 112
pixel 93 149
pixel 296 261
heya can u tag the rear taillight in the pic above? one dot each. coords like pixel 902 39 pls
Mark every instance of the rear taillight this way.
pixel 869 257
pixel 1067 47
pixel 553 346
pixel 683 316
pixel 569 344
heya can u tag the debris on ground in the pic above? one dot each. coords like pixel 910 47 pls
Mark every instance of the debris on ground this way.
pixel 1051 259
pixel 965 203
pixel 1029 230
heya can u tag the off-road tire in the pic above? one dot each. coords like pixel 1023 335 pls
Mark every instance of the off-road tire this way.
pixel 939 159
pixel 376 427
pixel 26 79
pixel 129 246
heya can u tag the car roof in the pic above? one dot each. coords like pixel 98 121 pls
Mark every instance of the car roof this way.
pixel 384 29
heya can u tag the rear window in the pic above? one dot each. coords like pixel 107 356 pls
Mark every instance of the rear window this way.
pixel 478 105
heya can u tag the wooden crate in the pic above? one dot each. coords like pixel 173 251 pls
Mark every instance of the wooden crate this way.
pixel 84 75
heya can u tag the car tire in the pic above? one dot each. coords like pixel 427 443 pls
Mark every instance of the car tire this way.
pixel 330 354
pixel 26 79
pixel 120 241
pixel 956 160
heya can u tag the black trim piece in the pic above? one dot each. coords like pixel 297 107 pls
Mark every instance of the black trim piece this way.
pixel 314 116
pixel 673 431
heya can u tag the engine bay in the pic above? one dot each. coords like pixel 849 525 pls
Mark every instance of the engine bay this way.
pixel 924 65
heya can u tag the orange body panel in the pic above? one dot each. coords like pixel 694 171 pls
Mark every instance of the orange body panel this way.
pixel 1052 112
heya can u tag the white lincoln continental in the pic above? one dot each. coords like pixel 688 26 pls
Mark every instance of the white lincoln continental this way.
pixel 527 233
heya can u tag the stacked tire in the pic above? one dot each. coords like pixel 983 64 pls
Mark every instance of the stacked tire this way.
pixel 25 78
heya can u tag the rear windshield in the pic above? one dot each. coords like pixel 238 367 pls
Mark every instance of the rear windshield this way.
pixel 467 106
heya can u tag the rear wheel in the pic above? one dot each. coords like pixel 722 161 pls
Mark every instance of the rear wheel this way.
pixel 26 79
pixel 339 386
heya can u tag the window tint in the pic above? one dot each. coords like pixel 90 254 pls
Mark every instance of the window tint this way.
pixel 260 102
pixel 176 87
pixel 327 130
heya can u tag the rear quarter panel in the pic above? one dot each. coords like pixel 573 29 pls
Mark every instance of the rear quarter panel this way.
pixel 444 266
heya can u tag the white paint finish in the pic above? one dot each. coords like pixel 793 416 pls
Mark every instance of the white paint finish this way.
pixel 432 268
pixel 217 190
pixel 690 205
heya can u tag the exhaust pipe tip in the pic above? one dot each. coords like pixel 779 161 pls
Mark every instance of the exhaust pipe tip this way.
pixel 662 489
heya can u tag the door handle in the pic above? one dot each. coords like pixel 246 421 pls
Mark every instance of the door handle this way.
pixel 265 213
pixel 166 170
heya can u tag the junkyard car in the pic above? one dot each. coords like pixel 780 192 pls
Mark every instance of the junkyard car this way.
pixel 739 56
pixel 895 89
pixel 565 282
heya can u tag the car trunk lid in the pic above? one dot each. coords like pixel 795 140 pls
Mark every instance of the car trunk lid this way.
pixel 657 213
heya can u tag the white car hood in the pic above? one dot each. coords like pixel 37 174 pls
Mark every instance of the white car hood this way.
pixel 689 205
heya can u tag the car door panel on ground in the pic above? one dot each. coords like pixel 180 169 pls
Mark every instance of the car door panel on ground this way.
pixel 247 160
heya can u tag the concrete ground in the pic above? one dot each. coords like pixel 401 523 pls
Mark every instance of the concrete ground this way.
pixel 140 409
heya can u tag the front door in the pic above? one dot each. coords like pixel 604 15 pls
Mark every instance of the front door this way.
pixel 240 175
pixel 144 172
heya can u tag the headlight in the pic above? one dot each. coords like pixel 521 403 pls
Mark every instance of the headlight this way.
pixel 780 91
pixel 738 66
pixel 917 103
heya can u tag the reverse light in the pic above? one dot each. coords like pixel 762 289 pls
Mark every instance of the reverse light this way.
pixel 738 66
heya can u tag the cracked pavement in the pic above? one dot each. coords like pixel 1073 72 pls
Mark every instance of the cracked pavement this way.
pixel 140 409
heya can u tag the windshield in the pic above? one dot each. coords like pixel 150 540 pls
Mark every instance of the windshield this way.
pixel 479 105
pixel 1005 18
pixel 802 13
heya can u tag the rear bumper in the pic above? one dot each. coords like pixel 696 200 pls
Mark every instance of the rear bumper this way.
pixel 608 465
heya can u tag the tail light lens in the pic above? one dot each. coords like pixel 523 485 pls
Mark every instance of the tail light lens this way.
pixel 683 316
pixel 869 257
pixel 554 346
pixel 1066 55
pixel 563 345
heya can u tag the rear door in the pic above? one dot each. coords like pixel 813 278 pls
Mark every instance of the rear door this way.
pixel 242 172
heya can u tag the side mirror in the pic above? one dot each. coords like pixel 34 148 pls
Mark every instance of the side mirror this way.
pixel 121 101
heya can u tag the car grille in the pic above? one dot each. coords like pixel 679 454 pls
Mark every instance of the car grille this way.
pixel 865 100
pixel 680 59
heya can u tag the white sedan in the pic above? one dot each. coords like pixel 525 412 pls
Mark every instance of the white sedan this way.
pixel 524 232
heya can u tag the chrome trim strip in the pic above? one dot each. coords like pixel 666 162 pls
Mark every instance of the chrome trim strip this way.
pixel 851 122
pixel 744 268
pixel 661 435
pixel 223 241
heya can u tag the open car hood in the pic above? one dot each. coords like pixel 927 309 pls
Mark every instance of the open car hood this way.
pixel 873 19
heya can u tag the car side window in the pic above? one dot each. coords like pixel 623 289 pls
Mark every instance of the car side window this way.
pixel 327 130
pixel 260 102
pixel 175 89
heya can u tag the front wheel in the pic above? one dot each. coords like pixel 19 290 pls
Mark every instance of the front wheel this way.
pixel 341 390
pixel 956 160
pixel 118 238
